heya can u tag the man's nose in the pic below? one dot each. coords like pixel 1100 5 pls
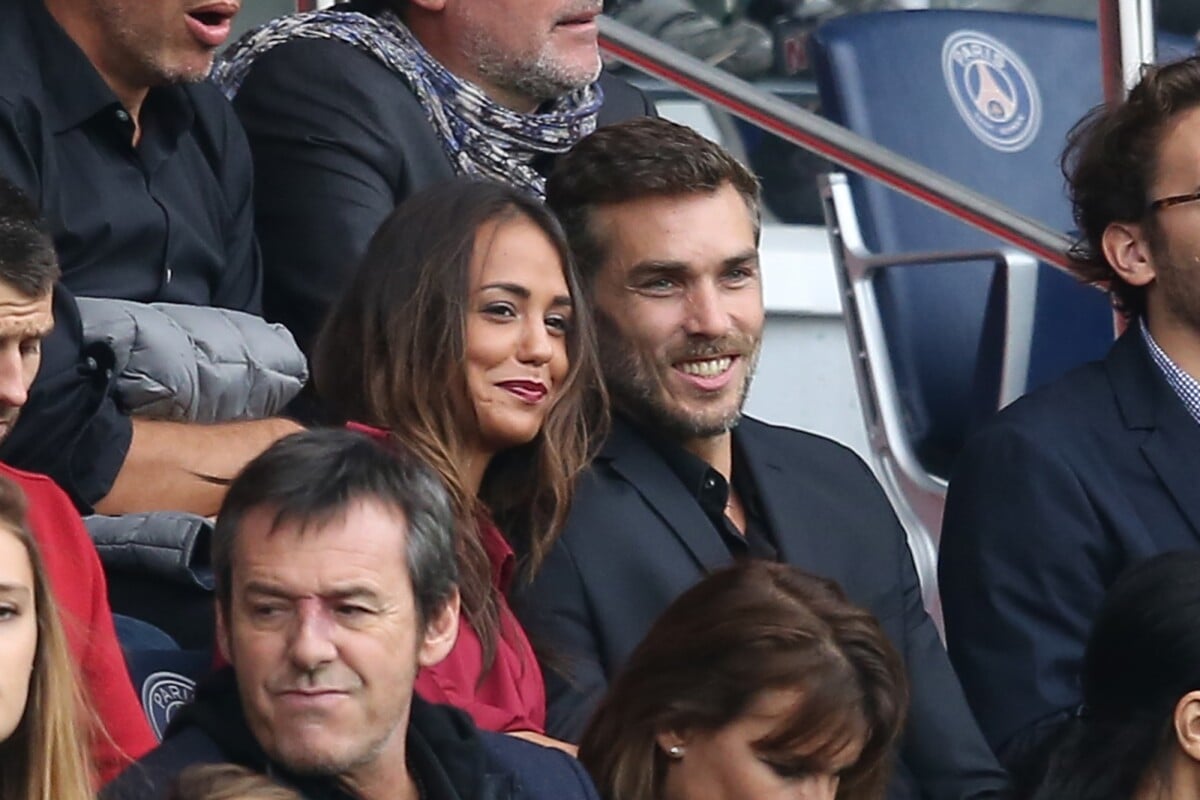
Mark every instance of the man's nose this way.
pixel 312 642
pixel 706 315
pixel 13 391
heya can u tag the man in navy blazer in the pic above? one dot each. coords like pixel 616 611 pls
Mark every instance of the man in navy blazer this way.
pixel 1075 482
pixel 336 580
pixel 665 227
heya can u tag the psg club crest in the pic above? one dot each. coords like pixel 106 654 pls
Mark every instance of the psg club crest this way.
pixel 992 89
pixel 164 693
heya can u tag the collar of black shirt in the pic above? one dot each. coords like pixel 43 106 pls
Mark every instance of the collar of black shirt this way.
pixel 711 491
pixel 75 92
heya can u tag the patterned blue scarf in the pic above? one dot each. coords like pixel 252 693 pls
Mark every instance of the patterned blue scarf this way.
pixel 480 136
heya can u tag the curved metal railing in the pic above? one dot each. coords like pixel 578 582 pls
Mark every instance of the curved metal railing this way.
pixel 841 146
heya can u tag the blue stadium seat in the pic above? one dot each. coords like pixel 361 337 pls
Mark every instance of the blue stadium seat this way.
pixel 164 676
pixel 986 99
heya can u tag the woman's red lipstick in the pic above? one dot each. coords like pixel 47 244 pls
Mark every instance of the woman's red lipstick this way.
pixel 529 391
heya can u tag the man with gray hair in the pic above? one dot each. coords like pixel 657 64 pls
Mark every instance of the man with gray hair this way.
pixel 336 582
pixel 352 109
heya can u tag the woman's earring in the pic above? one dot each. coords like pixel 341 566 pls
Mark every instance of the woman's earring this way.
pixel 675 751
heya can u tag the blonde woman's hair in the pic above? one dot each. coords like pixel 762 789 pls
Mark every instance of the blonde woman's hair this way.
pixel 46 757
pixel 227 782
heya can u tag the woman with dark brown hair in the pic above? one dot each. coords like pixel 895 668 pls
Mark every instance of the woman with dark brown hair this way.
pixel 761 681
pixel 462 336
pixel 43 753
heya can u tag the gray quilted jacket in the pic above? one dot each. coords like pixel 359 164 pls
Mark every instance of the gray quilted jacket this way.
pixel 195 363
pixel 185 363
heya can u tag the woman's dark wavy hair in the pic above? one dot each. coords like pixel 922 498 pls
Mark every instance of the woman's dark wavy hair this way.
pixel 391 355
pixel 1110 162
pixel 748 629
pixel 1142 656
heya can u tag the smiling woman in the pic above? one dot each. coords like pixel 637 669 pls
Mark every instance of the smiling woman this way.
pixel 462 336
pixel 42 755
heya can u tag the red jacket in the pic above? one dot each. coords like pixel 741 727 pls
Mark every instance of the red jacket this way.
pixel 77 580
pixel 510 696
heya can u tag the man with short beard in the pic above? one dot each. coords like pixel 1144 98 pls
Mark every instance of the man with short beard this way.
pixel 352 109
pixel 665 225
pixel 1063 490
pixel 143 176
pixel 137 164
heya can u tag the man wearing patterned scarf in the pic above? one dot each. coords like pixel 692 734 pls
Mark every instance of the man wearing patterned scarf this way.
pixel 351 109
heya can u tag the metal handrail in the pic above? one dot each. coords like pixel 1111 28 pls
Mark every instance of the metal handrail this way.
pixel 812 132
pixel 1126 43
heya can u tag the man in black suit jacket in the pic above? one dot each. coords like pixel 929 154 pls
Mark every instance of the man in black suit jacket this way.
pixel 665 227
pixel 1070 485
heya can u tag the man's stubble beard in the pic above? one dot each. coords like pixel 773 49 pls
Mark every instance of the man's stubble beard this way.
pixel 143 58
pixel 335 768
pixel 636 391
pixel 541 78
pixel 8 418
pixel 1179 285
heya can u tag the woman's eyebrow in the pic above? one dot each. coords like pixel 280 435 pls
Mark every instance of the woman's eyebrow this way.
pixel 524 293
pixel 15 588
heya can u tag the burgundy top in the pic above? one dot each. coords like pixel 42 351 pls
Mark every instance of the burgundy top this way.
pixel 511 696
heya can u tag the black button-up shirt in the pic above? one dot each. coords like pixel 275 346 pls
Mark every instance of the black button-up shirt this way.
pixel 711 491
pixel 170 219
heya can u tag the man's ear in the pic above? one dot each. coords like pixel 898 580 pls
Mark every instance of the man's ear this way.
pixel 1187 724
pixel 1126 246
pixel 223 632
pixel 441 632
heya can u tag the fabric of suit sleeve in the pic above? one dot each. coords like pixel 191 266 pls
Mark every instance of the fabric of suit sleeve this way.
pixel 1023 568
pixel 943 752
pixel 942 746
pixel 558 619
pixel 541 772
pixel 322 130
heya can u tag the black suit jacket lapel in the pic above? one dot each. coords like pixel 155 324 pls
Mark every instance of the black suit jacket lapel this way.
pixel 638 463
pixel 1147 402
pixel 791 507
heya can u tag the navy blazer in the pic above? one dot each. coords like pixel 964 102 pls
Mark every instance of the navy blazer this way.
pixel 1049 502
pixel 636 539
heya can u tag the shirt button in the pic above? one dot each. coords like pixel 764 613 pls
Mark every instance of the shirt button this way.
pixel 169 273
pixel 122 115
pixel 91 364
pixel 710 482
